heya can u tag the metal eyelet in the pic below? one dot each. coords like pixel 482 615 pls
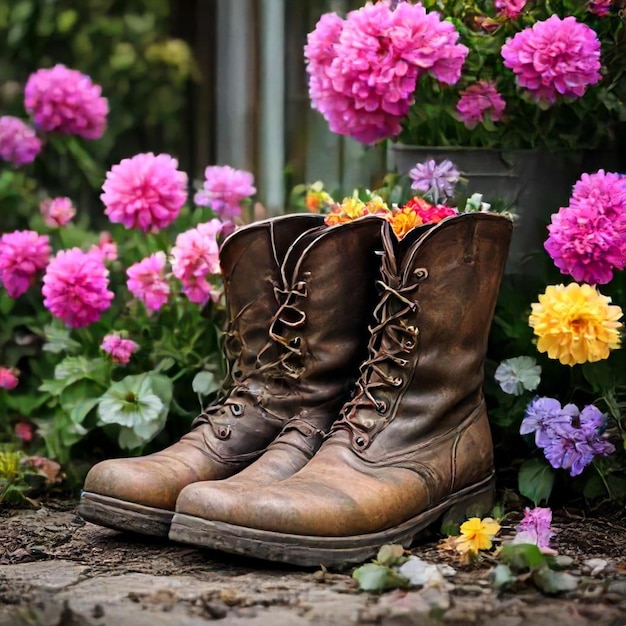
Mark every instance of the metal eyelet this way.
pixel 409 343
pixel 236 410
pixel 360 441
pixel 237 374
pixel 397 382
pixel 223 432
pixel 381 406
pixel 295 342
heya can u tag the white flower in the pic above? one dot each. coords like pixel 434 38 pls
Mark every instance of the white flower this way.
pixel 518 374
pixel 475 203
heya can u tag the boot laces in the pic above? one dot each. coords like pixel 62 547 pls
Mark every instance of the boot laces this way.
pixel 392 339
pixel 282 367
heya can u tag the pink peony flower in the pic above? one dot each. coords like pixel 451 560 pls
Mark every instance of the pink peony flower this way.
pixel 57 212
pixel 24 431
pixel 224 189
pixel 536 528
pixel 18 142
pixel 588 238
pixel 146 281
pixel 194 257
pixel 364 70
pixel 604 189
pixel 586 244
pixel 22 254
pixel 145 192
pixel 556 57
pixel 75 287
pixel 8 378
pixel 599 7
pixel 64 100
pixel 511 9
pixel 479 100
pixel 120 349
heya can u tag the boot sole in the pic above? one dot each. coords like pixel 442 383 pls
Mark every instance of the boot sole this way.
pixel 124 516
pixel 335 552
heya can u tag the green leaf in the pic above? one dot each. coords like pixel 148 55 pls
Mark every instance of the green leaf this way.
pixel 374 577
pixel 79 399
pixel 502 577
pixel 204 383
pixel 522 556
pixel 552 582
pixel 535 480
pixel 75 368
pixel 58 340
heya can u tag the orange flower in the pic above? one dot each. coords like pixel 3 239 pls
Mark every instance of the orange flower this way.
pixel 353 208
pixel 405 220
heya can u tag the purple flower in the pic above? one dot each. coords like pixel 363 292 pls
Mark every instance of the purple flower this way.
pixel 511 9
pixel 478 101
pixel 536 528
pixel 555 57
pixel 18 142
pixel 224 189
pixel 435 180
pixel 64 100
pixel 364 70
pixel 606 190
pixel 570 439
pixel 543 415
pixel 599 7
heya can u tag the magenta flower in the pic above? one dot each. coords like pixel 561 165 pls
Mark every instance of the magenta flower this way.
pixel 195 257
pixel 364 70
pixel 146 281
pixel 24 431
pixel 511 9
pixel 18 142
pixel 8 378
pixel 119 349
pixel 435 180
pixel 106 248
pixel 588 238
pixel 23 253
pixel 75 287
pixel 587 244
pixel 64 100
pixel 556 57
pixel 536 528
pixel 223 190
pixel 599 7
pixel 57 212
pixel 145 192
pixel 606 190
pixel 478 101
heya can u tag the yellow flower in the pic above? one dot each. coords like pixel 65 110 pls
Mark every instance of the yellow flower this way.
pixel 353 208
pixel 476 534
pixel 405 220
pixel 575 324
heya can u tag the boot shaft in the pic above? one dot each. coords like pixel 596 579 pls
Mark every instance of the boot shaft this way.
pixel 424 374
pixel 250 260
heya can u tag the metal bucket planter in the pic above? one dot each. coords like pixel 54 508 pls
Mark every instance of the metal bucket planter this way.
pixel 533 184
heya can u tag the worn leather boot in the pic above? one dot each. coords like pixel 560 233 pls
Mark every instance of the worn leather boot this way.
pixel 295 370
pixel 139 494
pixel 412 445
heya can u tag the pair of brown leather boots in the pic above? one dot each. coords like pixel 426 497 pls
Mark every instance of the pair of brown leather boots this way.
pixel 356 416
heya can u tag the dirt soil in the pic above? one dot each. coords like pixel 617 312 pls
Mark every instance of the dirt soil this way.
pixel 57 570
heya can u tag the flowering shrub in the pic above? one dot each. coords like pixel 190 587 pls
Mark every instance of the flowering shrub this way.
pixel 105 335
pixel 503 74
pixel 555 355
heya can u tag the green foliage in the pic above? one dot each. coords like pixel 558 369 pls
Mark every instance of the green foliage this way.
pixel 519 560
pixel 587 122
pixel 535 481
pixel 381 574
pixel 127 48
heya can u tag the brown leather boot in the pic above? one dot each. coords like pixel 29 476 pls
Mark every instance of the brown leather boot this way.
pixel 412 444
pixel 299 352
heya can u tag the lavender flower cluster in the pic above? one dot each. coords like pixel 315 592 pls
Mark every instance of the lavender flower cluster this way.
pixel 570 438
